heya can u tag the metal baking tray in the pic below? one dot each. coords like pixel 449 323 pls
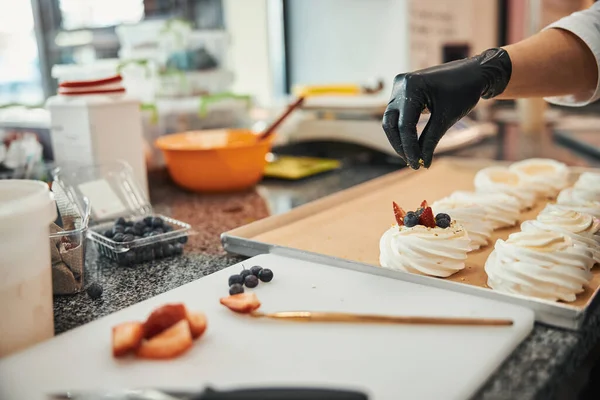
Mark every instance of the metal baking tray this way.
pixel 343 230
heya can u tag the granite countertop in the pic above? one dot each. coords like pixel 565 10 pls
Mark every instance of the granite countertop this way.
pixel 535 369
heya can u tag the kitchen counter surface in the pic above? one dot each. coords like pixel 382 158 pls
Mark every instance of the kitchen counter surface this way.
pixel 544 361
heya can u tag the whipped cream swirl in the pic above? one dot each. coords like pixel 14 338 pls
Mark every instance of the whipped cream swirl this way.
pixel 502 180
pixel 582 228
pixel 580 200
pixel 427 251
pixel 543 264
pixel 501 210
pixel 544 176
pixel 472 217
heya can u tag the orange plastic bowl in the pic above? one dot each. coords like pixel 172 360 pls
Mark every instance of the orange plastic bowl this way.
pixel 215 160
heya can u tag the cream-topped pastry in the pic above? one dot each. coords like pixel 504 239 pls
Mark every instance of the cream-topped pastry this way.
pixel 501 210
pixel 589 181
pixel 472 217
pixel 502 180
pixel 423 244
pixel 421 250
pixel 544 176
pixel 580 200
pixel 582 228
pixel 543 264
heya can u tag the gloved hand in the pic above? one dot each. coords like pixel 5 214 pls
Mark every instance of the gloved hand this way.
pixel 449 91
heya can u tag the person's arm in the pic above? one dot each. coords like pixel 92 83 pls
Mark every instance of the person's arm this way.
pixel 562 60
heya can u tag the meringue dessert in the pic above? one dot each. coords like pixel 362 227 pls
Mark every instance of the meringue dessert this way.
pixel 472 217
pixel 544 176
pixel 581 200
pixel 582 228
pixel 501 210
pixel 502 180
pixel 423 244
pixel 543 264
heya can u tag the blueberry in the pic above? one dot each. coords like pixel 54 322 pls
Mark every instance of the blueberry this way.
pixel 128 237
pixel 148 221
pixel 236 289
pixel 148 255
pixel 129 231
pixel 120 221
pixel 182 239
pixel 94 290
pixel 118 229
pixel 442 220
pixel 147 229
pixel 158 252
pixel 420 211
pixel 233 279
pixel 245 273
pixel 266 275
pixel 118 237
pixel 178 249
pixel 411 219
pixel 251 281
pixel 167 228
pixel 167 249
pixel 158 231
pixel 138 228
pixel 108 233
pixel 255 270
pixel 147 234
pixel 157 222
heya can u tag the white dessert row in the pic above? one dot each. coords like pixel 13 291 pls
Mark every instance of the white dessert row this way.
pixel 550 258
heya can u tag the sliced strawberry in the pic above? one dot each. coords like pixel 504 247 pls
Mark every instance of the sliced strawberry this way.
pixel 126 337
pixel 168 344
pixel 241 303
pixel 163 318
pixel 424 204
pixel 426 218
pixel 197 321
pixel 399 214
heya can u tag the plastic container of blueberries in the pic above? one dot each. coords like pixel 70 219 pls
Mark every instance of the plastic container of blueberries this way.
pixel 114 193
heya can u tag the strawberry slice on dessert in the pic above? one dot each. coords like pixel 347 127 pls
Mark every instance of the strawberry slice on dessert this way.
pixel 126 337
pixel 399 214
pixel 424 204
pixel 170 343
pixel 163 318
pixel 243 303
pixel 426 218
pixel 197 321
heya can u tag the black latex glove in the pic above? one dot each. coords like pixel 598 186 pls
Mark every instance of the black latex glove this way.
pixel 449 91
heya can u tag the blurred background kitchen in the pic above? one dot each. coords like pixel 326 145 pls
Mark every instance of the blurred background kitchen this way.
pixel 207 64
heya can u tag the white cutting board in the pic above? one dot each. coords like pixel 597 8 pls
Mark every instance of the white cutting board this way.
pixel 387 362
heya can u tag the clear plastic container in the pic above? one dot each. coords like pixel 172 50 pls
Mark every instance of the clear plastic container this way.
pixel 115 195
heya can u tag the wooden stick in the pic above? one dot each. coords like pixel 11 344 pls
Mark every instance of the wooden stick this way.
pixel 308 316
pixel 269 131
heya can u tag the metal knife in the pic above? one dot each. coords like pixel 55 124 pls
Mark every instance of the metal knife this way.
pixel 210 394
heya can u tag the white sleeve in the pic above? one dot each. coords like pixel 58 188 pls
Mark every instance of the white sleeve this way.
pixel 585 25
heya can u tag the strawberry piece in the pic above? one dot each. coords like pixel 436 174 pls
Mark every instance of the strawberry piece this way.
pixel 426 218
pixel 197 321
pixel 424 204
pixel 399 214
pixel 126 337
pixel 168 344
pixel 163 318
pixel 243 303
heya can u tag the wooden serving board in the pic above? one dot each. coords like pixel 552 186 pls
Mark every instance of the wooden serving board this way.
pixel 349 224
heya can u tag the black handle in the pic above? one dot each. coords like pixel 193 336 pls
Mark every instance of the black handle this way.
pixel 282 394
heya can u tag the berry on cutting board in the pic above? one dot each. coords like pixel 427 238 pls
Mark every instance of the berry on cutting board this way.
pixel 245 273
pixel 251 281
pixel 233 279
pixel 94 290
pixel 236 288
pixel 256 270
pixel 265 275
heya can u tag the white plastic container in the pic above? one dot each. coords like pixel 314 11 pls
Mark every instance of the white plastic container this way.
pixel 93 121
pixel 26 315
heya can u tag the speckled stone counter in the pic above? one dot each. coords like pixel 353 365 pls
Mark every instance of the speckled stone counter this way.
pixel 534 371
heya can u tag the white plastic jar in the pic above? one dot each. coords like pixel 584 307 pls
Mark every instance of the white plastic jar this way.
pixel 26 314
pixel 93 122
